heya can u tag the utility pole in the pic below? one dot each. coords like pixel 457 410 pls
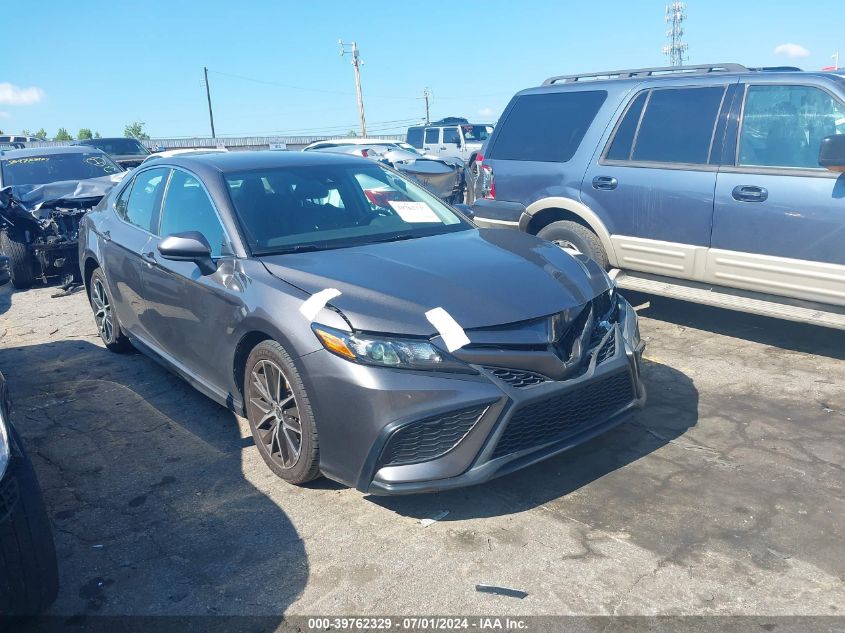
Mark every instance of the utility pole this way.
pixel 356 64
pixel 208 96
pixel 676 49
pixel 426 95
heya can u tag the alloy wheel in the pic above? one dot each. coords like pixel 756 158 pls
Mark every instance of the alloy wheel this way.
pixel 278 426
pixel 102 311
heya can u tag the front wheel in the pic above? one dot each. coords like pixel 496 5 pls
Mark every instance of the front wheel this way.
pixel 279 414
pixel 568 234
pixel 21 264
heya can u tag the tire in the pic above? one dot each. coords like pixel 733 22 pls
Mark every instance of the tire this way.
pixel 105 318
pixel 21 264
pixel 472 181
pixel 29 573
pixel 566 232
pixel 269 400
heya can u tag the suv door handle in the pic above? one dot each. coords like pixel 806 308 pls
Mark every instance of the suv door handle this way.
pixel 106 235
pixel 749 193
pixel 605 182
pixel 149 258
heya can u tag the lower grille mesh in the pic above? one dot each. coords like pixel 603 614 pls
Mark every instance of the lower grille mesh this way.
pixel 430 437
pixel 565 415
pixel 517 377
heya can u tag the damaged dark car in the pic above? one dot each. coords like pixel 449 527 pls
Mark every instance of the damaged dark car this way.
pixel 368 331
pixel 43 194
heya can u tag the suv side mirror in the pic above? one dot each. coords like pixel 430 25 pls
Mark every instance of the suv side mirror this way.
pixel 190 246
pixel 832 152
pixel 465 209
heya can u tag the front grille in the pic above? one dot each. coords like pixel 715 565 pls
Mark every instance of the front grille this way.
pixel 517 377
pixel 429 438
pixel 607 350
pixel 565 415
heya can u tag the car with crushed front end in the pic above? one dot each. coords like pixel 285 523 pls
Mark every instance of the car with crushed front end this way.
pixel 367 331
pixel 43 193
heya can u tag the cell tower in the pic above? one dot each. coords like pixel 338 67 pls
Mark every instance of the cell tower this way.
pixel 676 49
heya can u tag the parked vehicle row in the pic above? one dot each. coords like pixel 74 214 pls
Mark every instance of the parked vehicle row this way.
pixel 718 184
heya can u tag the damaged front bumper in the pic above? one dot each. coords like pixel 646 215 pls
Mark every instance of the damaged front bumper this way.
pixel 449 430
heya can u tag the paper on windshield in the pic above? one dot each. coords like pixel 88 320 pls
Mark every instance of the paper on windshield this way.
pixel 414 211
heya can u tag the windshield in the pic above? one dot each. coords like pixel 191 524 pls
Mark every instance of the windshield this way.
pixel 315 208
pixel 40 170
pixel 118 146
pixel 474 133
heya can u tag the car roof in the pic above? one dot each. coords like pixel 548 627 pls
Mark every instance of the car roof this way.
pixel 228 162
pixel 83 141
pixel 47 151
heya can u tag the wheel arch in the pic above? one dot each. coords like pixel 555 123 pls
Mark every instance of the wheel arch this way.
pixel 90 264
pixel 543 212
pixel 247 342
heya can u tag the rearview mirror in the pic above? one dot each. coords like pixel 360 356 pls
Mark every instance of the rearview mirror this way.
pixel 465 209
pixel 832 152
pixel 190 246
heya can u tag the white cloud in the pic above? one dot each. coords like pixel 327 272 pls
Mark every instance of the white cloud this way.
pixel 488 112
pixel 791 50
pixel 4 115
pixel 10 94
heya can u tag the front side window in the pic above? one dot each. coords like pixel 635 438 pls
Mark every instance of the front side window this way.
pixel 432 135
pixel 547 127
pixel 783 126
pixel 476 133
pixel 677 125
pixel 145 198
pixel 451 135
pixel 415 136
pixel 187 208
pixel 289 209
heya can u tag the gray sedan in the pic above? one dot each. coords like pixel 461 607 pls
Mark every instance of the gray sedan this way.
pixel 368 331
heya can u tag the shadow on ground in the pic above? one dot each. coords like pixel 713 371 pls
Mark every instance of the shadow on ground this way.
pixel 143 480
pixel 671 410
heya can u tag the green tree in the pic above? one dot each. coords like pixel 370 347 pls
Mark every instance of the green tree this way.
pixel 352 134
pixel 97 135
pixel 62 135
pixel 84 134
pixel 42 133
pixel 136 130
pixel 23 133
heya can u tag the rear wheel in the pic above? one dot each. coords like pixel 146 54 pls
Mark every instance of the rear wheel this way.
pixel 279 414
pixel 568 234
pixel 21 264
pixel 104 316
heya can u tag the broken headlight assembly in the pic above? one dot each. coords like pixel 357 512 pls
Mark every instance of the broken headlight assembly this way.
pixel 388 351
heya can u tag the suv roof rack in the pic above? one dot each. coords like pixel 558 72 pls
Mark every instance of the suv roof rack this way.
pixel 701 69
pixel 776 69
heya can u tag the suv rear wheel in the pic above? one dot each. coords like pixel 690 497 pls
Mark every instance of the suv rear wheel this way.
pixel 568 234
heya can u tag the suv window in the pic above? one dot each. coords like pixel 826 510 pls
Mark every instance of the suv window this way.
pixel 783 126
pixel 547 127
pixel 187 208
pixel 677 126
pixel 145 198
pixel 432 135
pixel 623 140
pixel 415 136
pixel 451 135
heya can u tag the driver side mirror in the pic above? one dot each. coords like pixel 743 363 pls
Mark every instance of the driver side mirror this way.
pixel 465 209
pixel 832 152
pixel 190 246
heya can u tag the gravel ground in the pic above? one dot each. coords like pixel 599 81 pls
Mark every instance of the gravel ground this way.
pixel 723 496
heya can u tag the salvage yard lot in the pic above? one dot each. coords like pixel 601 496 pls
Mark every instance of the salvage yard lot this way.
pixel 725 495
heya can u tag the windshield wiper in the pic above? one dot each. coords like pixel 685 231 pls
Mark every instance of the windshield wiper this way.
pixel 396 238
pixel 299 248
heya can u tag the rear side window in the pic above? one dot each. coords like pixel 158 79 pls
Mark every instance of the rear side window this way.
pixel 432 135
pixel 415 136
pixel 547 127
pixel 623 141
pixel 677 126
pixel 145 198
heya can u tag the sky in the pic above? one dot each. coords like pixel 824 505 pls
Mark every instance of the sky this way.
pixel 275 66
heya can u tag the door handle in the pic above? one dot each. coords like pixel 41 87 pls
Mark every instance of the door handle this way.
pixel 605 182
pixel 106 235
pixel 443 147
pixel 149 258
pixel 749 193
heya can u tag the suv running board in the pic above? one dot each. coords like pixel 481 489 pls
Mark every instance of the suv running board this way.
pixel 731 299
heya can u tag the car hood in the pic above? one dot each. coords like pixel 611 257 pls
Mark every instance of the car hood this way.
pixel 482 278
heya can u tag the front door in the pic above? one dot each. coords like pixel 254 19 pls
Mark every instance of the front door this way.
pixel 431 141
pixel 190 314
pixel 779 220
pixel 654 180
pixel 452 144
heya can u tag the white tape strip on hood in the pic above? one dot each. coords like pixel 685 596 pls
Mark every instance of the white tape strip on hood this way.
pixel 452 333
pixel 311 307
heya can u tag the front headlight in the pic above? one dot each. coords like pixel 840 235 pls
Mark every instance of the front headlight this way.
pixel 388 351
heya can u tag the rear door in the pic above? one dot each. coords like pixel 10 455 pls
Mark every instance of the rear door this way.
pixel 779 219
pixel 431 141
pixel 655 177
pixel 123 241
